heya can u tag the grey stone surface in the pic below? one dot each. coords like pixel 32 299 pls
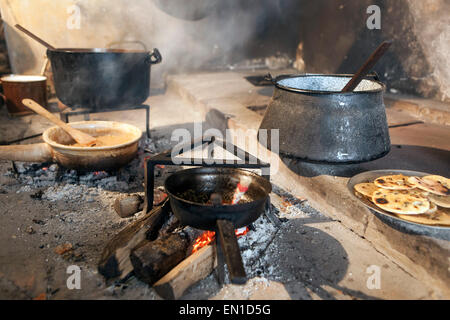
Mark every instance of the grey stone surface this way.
pixel 422 147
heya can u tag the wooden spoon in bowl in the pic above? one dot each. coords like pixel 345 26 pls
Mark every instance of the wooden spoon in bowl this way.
pixel 79 136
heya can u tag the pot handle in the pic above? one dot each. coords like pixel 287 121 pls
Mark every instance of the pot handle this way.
pixel 374 75
pixel 268 77
pixel 38 152
pixel 154 57
pixel 231 251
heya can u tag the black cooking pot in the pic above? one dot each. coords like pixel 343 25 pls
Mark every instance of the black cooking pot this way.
pixel 102 78
pixel 216 180
pixel 318 123
pixel 218 217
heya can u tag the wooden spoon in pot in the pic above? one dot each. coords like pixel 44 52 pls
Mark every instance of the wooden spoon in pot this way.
pixel 365 68
pixel 35 37
pixel 79 136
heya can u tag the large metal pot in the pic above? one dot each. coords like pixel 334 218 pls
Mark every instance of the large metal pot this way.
pixel 56 148
pixel 100 78
pixel 318 123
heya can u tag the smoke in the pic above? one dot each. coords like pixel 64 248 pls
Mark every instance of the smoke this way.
pixel 190 34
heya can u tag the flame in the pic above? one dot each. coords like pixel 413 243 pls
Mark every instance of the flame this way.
pixel 242 231
pixel 96 173
pixel 208 236
pixel 45 168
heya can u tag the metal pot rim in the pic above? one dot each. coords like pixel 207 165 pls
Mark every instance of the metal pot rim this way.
pixel 22 78
pixel 321 92
pixel 201 170
pixel 104 124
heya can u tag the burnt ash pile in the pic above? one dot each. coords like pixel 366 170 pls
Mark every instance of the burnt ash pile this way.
pixel 71 183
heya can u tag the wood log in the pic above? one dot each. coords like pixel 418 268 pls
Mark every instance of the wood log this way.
pixel 169 226
pixel 115 260
pixel 188 272
pixel 126 206
pixel 129 205
pixel 153 259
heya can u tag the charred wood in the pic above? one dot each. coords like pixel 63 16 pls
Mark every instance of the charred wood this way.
pixel 115 259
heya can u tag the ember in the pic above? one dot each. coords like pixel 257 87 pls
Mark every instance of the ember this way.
pixel 208 236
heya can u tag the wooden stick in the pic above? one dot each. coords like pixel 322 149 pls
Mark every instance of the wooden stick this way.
pixel 77 135
pixel 362 72
pixel 35 37
pixel 188 272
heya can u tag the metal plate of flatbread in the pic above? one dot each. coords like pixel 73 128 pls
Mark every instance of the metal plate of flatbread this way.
pixel 404 223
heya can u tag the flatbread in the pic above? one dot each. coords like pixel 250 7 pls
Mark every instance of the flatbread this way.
pixel 441 217
pixel 366 189
pixel 433 208
pixel 400 201
pixel 393 182
pixel 445 182
pixel 442 201
pixel 419 192
pixel 432 184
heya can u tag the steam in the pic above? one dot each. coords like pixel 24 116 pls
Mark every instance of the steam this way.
pixel 216 39
pixel 190 34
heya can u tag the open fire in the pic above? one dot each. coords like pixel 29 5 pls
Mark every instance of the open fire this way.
pixel 208 236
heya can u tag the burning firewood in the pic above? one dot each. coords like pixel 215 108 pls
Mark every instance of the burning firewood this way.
pixel 194 268
pixel 115 260
pixel 153 259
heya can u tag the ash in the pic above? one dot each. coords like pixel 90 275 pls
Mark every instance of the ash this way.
pixel 255 243
pixel 261 250
pixel 59 183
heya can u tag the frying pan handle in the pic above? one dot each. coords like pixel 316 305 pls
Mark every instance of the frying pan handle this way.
pixel 231 251
pixel 38 152
pixel 154 57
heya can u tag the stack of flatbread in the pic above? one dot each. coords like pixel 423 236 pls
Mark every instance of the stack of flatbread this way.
pixel 423 200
